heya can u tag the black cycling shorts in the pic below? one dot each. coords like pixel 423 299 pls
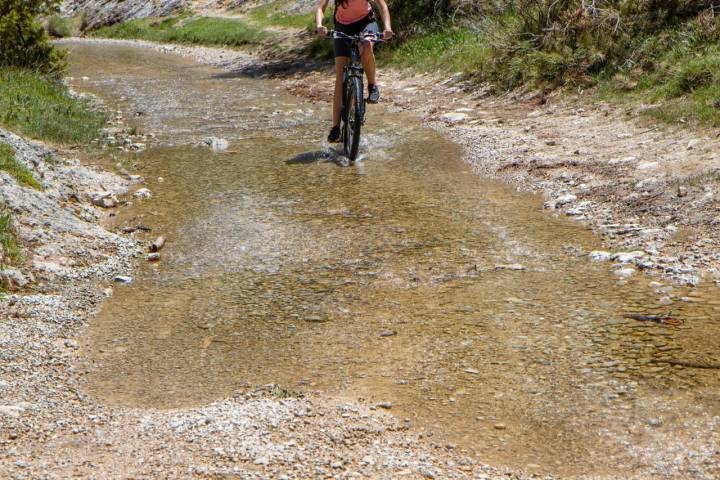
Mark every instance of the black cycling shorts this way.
pixel 367 24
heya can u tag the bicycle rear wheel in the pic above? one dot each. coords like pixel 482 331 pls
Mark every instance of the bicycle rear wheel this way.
pixel 353 118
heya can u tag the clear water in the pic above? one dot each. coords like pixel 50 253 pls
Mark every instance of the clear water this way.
pixel 379 282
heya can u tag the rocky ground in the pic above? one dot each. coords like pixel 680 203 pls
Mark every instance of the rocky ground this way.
pixel 51 429
pixel 98 13
pixel 645 188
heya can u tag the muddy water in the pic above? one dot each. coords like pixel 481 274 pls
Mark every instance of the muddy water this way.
pixel 384 282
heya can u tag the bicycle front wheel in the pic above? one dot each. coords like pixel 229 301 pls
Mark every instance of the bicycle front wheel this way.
pixel 353 120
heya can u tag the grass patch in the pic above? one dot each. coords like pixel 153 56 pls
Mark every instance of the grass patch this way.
pixel 59 27
pixel 10 164
pixel 678 71
pixel 36 107
pixel 271 15
pixel 198 31
pixel 448 50
pixel 10 249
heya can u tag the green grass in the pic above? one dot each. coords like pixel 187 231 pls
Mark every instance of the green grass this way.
pixel 448 50
pixel 271 15
pixel 36 107
pixel 11 249
pixel 59 27
pixel 10 164
pixel 677 70
pixel 199 31
pixel 683 83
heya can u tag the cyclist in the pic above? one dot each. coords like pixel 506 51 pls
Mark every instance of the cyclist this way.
pixel 353 17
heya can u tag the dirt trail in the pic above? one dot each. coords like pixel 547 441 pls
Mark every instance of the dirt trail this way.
pixel 640 185
pixel 52 428
pixel 647 187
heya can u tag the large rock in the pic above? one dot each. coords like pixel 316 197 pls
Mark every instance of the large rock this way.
pixel 99 13
pixel 12 279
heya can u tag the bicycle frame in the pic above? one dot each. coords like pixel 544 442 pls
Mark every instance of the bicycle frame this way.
pixel 353 91
pixel 355 68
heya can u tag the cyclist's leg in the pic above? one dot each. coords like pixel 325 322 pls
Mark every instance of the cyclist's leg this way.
pixel 368 60
pixel 367 54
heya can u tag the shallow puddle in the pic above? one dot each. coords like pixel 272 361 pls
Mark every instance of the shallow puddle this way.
pixel 403 279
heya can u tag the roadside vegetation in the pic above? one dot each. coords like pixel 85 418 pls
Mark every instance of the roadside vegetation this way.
pixel 41 108
pixel 11 252
pixel 10 164
pixel 663 52
pixel 24 41
pixel 33 100
pixel 271 14
pixel 200 31
pixel 59 27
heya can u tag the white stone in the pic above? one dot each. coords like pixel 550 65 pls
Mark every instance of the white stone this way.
pixel 12 411
pixel 599 256
pixel 143 193
pixel 511 266
pixel 627 257
pixel 647 165
pixel 453 118
pixel 694 143
pixel 217 144
pixel 565 200
pixel 616 161
pixel 625 272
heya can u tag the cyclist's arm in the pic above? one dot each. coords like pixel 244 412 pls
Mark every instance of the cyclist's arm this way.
pixel 320 14
pixel 385 15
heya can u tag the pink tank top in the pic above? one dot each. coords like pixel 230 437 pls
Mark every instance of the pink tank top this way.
pixel 355 11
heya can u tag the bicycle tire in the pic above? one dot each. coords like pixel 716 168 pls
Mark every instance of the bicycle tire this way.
pixel 354 103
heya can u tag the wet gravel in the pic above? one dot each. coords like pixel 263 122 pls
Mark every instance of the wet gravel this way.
pixel 51 429
pixel 638 185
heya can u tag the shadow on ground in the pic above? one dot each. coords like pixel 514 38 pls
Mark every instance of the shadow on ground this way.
pixel 328 155
pixel 284 67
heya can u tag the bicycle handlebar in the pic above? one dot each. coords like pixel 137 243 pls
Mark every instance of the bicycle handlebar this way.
pixel 366 37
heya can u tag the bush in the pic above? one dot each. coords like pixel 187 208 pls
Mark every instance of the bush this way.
pixel 592 37
pixel 23 41
pixel 418 16
pixel 59 27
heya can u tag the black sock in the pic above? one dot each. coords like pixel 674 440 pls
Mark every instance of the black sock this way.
pixel 371 86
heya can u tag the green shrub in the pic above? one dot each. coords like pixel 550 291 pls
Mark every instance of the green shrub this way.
pixel 272 14
pixel 59 27
pixel 449 50
pixel 40 108
pixel 418 16
pixel 23 40
pixel 17 170
pixel 11 252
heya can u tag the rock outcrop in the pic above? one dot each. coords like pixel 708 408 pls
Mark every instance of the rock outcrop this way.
pixel 59 225
pixel 99 13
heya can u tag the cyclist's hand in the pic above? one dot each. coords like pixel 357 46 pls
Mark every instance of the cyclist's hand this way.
pixel 388 34
pixel 322 31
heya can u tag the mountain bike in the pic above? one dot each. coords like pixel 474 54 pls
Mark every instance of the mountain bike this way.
pixel 353 111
